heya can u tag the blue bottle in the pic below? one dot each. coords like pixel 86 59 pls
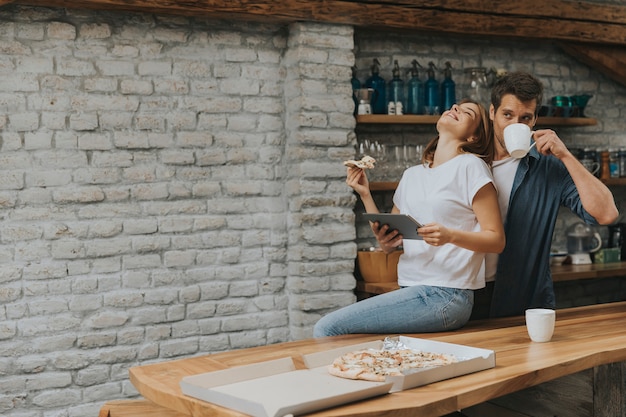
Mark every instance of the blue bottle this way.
pixel 377 83
pixel 448 93
pixel 415 91
pixel 395 92
pixel 356 85
pixel 431 94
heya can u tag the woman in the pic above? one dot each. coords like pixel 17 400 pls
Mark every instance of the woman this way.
pixel 453 196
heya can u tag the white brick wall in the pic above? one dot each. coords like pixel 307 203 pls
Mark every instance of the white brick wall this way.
pixel 145 194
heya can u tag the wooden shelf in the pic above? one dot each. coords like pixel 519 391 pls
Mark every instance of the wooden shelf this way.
pixel 404 119
pixel 383 185
pixel 392 185
pixel 431 120
pixel 566 121
pixel 613 181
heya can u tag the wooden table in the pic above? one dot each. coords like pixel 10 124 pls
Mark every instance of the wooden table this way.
pixel 585 337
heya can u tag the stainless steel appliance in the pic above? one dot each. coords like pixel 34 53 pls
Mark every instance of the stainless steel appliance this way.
pixel 582 240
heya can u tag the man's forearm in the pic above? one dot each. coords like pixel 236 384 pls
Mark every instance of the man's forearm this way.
pixel 595 197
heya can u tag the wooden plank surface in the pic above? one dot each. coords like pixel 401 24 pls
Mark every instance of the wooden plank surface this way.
pixel 610 60
pixel 585 337
pixel 432 120
pixel 533 19
pixel 573 272
pixel 136 408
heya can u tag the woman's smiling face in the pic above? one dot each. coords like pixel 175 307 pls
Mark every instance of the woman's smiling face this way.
pixel 462 119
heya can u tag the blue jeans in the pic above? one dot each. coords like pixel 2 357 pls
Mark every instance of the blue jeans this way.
pixel 414 309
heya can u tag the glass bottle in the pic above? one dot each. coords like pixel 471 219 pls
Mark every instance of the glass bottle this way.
pixel 448 89
pixel 415 91
pixel 377 83
pixel 622 162
pixel 431 93
pixel 614 163
pixel 356 85
pixel 395 93
pixel 478 87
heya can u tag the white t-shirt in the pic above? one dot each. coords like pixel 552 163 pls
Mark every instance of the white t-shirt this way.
pixel 503 176
pixel 444 195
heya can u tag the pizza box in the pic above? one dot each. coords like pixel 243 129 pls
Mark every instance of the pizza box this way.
pixel 470 360
pixel 277 389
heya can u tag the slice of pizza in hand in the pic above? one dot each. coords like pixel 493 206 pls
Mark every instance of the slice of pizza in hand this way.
pixel 367 162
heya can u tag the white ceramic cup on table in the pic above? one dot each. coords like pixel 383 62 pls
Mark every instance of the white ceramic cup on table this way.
pixel 540 324
pixel 517 139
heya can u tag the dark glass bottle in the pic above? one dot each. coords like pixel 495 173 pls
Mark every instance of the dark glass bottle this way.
pixel 431 94
pixel 377 83
pixel 356 85
pixel 415 91
pixel 395 92
pixel 448 93
pixel 622 162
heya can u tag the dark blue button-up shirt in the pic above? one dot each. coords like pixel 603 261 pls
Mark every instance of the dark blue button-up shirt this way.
pixel 523 280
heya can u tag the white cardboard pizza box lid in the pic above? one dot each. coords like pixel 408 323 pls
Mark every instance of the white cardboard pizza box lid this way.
pixel 275 388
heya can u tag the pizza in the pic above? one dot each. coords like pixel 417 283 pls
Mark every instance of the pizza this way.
pixel 375 365
pixel 367 162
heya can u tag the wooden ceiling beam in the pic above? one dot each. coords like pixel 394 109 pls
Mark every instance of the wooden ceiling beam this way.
pixel 533 19
pixel 609 60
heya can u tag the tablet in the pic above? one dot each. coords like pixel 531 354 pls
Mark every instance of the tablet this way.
pixel 403 223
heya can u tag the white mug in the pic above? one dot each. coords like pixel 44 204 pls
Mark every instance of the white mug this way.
pixel 540 324
pixel 517 139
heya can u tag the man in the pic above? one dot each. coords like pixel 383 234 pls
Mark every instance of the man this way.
pixel 531 190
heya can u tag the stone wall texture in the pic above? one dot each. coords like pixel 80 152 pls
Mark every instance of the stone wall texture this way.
pixel 173 186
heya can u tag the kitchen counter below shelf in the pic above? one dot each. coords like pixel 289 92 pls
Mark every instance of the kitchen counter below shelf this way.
pixel 560 273
pixel 573 272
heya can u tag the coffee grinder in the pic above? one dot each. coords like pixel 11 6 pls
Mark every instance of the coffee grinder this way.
pixel 364 96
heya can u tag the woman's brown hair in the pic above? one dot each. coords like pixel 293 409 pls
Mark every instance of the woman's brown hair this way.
pixel 483 146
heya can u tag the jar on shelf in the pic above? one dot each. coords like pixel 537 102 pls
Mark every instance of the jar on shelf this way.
pixel 589 159
pixel 478 82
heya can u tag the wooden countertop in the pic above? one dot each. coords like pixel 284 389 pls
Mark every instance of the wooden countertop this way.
pixel 584 337
pixel 572 272
pixel 559 273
